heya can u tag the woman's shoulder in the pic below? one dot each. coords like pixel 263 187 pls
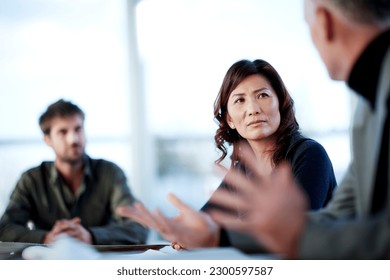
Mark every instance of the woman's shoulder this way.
pixel 301 144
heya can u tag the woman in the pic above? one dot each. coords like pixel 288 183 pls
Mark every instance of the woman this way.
pixel 253 108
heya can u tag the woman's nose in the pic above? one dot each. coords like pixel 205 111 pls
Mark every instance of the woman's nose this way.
pixel 253 108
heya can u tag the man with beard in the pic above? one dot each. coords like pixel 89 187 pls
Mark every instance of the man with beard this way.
pixel 75 195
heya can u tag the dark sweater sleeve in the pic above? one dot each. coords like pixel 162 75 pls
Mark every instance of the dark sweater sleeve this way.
pixel 224 238
pixel 313 171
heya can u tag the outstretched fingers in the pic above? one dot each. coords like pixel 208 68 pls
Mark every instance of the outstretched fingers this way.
pixel 147 216
pixel 138 213
pixel 229 200
pixel 165 227
pixel 283 176
pixel 228 220
pixel 242 185
pixel 178 203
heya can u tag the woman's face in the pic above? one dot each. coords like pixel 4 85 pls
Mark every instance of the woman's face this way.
pixel 253 109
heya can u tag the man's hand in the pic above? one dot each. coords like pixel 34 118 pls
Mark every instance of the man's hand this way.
pixel 274 207
pixel 72 228
pixel 190 229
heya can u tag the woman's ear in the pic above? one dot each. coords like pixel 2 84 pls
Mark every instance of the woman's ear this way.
pixel 229 121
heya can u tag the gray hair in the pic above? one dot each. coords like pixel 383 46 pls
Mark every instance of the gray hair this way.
pixel 365 11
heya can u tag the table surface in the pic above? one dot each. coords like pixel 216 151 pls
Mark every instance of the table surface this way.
pixel 13 250
pixel 70 249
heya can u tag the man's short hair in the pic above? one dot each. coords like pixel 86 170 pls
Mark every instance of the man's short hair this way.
pixel 60 108
pixel 365 10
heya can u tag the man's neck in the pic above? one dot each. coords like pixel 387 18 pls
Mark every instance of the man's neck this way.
pixel 355 44
pixel 365 74
pixel 72 173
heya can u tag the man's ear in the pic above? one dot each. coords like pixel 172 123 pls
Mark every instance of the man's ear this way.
pixel 326 23
pixel 47 139
pixel 229 121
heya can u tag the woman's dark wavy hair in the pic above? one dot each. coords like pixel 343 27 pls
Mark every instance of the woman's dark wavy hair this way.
pixel 235 75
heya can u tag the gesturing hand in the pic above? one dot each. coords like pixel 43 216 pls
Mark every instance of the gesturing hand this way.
pixel 189 229
pixel 275 207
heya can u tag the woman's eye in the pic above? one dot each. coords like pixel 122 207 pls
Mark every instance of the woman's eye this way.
pixel 262 95
pixel 239 100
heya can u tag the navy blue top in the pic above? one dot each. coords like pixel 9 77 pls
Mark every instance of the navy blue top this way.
pixel 312 170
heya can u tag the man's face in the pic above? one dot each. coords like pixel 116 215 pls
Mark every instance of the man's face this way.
pixel 67 138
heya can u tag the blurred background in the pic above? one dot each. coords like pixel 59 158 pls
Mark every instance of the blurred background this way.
pixel 147 73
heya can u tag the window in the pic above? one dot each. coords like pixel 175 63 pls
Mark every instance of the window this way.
pixel 80 51
pixel 76 50
pixel 186 47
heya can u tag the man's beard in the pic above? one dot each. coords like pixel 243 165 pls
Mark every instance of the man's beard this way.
pixel 73 160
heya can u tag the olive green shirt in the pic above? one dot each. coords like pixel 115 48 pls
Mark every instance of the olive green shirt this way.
pixel 40 198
